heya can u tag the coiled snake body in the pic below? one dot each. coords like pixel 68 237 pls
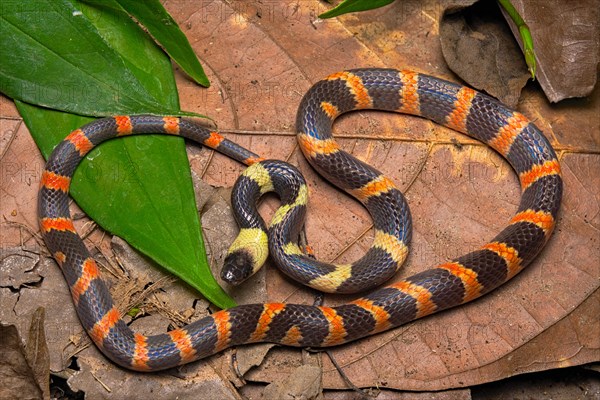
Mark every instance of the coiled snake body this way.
pixel 439 288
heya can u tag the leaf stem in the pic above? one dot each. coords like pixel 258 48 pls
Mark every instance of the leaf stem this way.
pixel 525 35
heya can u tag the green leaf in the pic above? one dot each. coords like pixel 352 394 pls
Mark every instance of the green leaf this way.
pixel 349 6
pixel 137 187
pixel 58 60
pixel 165 31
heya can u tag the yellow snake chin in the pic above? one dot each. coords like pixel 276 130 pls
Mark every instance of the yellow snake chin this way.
pixel 253 241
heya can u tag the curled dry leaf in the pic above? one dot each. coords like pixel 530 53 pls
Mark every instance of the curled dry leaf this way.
pixel 18 381
pixel 566 36
pixel 479 47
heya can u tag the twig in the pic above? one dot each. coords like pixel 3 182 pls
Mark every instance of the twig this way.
pixel 100 382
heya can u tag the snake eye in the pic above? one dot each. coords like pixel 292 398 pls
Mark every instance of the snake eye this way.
pixel 237 267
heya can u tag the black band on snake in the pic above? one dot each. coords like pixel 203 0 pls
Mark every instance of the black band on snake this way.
pixel 444 286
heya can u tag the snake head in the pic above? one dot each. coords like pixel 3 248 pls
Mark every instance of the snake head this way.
pixel 246 255
pixel 238 267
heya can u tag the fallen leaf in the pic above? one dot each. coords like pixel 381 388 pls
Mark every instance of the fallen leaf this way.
pixel 18 381
pixel 479 47
pixel 567 49
pixel 19 268
pixel 37 351
pixel 303 383
pixel 460 192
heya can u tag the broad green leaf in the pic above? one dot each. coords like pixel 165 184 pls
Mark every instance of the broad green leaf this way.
pixel 138 187
pixel 59 61
pixel 153 16
pixel 349 6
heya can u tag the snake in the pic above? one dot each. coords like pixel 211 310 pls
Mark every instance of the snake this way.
pixel 381 308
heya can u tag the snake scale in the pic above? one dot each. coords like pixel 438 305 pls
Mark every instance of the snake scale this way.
pixel 447 285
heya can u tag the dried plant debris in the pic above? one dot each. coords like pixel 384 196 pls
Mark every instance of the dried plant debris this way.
pixel 19 268
pixel 37 351
pixel 480 48
pixel 566 36
pixel 18 379
pixel 248 357
pixel 99 378
pixel 303 383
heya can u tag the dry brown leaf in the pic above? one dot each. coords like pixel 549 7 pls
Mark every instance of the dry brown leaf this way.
pixel 261 58
pixel 18 380
pixel 303 383
pixel 479 47
pixel 37 351
pixel 566 37
pixel 19 267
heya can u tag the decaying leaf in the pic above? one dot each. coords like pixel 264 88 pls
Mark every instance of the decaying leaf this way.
pixel 303 383
pixel 566 35
pixel 19 267
pixel 479 47
pixel 18 380
pixel 37 351
pixel 460 193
